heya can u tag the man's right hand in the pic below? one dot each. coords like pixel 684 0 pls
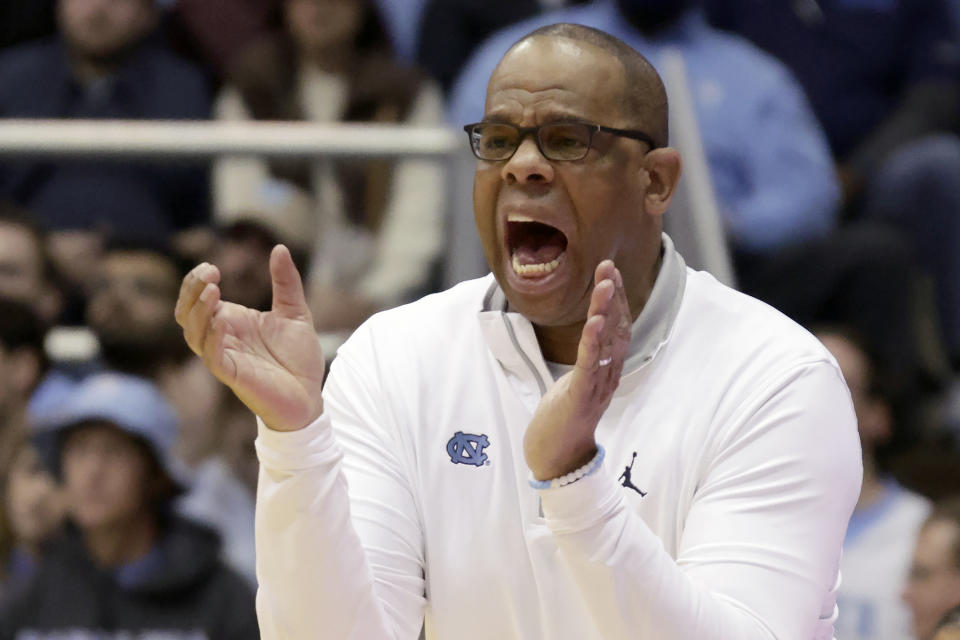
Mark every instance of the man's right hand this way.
pixel 271 360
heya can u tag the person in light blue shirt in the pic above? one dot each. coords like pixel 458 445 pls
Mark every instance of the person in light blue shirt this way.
pixel 771 167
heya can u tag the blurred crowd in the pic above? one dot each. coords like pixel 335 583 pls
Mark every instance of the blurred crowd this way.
pixel 128 474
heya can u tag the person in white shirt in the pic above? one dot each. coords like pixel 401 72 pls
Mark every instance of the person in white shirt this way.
pixel 883 529
pixel 462 468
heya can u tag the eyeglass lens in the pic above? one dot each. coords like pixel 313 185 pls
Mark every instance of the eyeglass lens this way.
pixel 557 141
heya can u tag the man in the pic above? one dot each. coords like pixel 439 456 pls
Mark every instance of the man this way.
pixel 933 587
pixel 770 166
pixel 104 64
pixel 885 522
pixel 126 566
pixel 128 308
pixel 768 158
pixel 478 498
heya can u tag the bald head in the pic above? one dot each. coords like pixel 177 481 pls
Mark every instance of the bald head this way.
pixel 644 99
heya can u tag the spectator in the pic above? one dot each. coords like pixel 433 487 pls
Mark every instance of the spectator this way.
pixel 103 64
pixel 378 223
pixel 224 487
pixel 22 366
pixel 883 529
pixel 128 308
pixel 242 249
pixel 26 270
pixel 126 565
pixel 884 79
pixel 451 29
pixel 31 514
pixel 134 287
pixel 933 587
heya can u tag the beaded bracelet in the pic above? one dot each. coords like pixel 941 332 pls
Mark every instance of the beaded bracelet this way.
pixel 577 474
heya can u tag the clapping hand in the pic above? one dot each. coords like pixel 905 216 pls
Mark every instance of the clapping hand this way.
pixel 271 360
pixel 560 437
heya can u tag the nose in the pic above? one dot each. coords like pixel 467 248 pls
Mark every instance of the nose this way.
pixel 527 165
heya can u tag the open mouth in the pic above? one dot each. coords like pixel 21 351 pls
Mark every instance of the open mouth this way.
pixel 535 248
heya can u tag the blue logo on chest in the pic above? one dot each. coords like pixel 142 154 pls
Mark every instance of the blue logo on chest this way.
pixel 467 448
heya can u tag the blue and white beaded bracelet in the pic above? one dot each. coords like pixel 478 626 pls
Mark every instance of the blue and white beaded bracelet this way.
pixel 577 474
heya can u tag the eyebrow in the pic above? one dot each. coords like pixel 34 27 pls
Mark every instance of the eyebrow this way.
pixel 548 118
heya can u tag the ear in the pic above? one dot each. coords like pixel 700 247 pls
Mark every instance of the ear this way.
pixel 663 168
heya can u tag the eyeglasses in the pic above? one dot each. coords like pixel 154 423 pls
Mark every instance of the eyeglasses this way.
pixel 563 141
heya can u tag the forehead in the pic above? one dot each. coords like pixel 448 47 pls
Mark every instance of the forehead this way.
pixel 546 78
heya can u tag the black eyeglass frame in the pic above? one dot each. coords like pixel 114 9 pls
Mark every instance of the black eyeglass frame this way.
pixel 523 132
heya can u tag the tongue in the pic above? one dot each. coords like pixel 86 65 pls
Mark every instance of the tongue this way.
pixel 539 245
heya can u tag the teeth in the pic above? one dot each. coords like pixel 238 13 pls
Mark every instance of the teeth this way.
pixel 534 269
pixel 516 217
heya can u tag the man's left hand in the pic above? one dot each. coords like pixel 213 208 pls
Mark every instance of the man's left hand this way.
pixel 560 438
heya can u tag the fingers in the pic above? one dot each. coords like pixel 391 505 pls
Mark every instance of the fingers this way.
pixel 198 299
pixel 288 297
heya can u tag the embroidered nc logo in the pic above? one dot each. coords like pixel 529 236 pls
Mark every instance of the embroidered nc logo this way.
pixel 467 448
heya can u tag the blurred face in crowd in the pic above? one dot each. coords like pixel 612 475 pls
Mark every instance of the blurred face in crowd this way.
pixel 129 306
pixel 102 29
pixel 105 476
pixel 873 415
pixel 244 261
pixel 933 586
pixel 21 263
pixel 563 217
pixel 34 502
pixel 321 25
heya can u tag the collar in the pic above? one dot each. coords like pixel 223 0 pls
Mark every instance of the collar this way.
pixel 650 330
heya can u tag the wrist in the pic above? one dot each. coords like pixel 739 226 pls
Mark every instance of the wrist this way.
pixel 577 474
pixel 572 458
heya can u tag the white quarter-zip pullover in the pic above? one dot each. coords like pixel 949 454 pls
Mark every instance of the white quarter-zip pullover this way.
pixel 732 468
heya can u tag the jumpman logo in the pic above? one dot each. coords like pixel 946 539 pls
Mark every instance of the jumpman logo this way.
pixel 625 476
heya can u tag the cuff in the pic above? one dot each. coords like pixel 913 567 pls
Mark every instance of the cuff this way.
pixel 311 446
pixel 582 504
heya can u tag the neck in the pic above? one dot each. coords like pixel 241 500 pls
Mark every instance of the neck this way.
pixel 560 344
pixel 116 545
pixel 872 489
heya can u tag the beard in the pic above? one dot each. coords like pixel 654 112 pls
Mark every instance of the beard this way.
pixel 142 355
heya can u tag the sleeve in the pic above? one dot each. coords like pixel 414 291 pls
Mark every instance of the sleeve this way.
pixel 413 228
pixel 789 191
pixel 760 547
pixel 339 541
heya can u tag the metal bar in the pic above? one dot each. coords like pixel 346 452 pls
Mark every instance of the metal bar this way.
pixel 695 222
pixel 205 139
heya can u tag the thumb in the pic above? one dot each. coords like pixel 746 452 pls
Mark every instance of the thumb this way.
pixel 288 298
